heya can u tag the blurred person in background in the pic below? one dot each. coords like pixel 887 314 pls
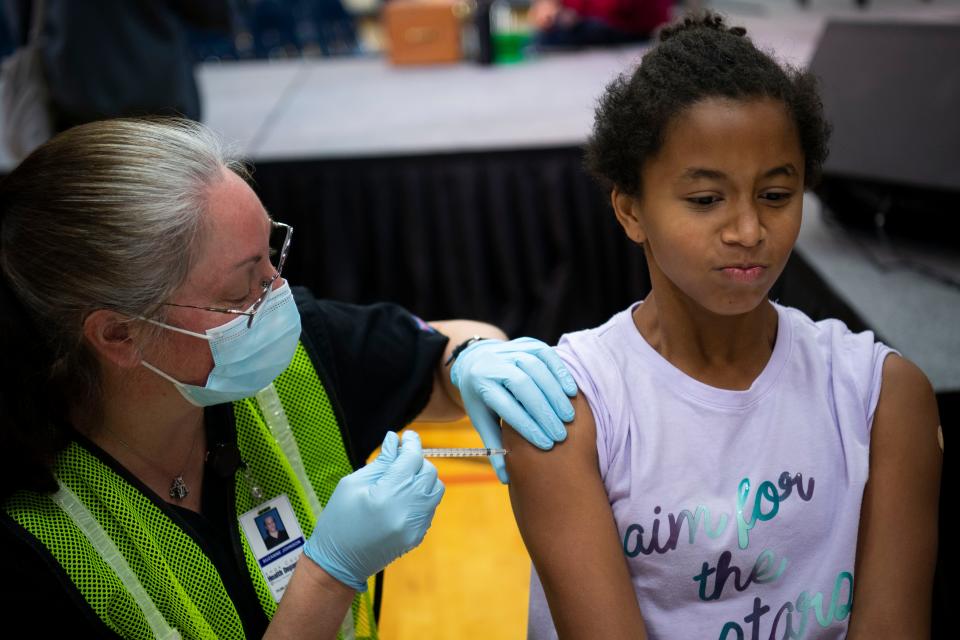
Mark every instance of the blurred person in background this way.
pixel 112 58
pixel 578 23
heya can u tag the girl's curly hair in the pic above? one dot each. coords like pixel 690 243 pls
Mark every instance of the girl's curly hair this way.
pixel 697 57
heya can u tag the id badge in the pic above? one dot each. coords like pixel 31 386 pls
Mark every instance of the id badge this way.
pixel 275 539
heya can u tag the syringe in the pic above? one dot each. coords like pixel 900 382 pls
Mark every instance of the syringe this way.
pixel 462 452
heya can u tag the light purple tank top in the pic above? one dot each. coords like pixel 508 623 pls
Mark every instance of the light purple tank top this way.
pixel 737 511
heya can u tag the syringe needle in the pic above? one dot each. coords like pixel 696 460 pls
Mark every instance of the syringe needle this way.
pixel 462 452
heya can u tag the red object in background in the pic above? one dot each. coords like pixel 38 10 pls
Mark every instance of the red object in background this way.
pixel 632 16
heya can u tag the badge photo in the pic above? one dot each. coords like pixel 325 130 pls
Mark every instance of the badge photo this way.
pixel 275 538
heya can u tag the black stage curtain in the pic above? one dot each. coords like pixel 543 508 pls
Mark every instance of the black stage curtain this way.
pixel 525 240
pixel 522 239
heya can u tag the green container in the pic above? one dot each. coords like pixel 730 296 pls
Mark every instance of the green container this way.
pixel 508 47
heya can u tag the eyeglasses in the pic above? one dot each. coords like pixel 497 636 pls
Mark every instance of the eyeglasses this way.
pixel 280 235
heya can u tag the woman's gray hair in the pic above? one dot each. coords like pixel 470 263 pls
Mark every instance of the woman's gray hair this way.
pixel 107 215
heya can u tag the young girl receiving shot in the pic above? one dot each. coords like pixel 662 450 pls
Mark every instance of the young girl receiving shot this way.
pixel 735 470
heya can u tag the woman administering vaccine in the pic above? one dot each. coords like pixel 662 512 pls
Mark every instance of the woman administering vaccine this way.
pixel 169 402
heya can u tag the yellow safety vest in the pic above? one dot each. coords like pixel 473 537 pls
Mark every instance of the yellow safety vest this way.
pixel 146 577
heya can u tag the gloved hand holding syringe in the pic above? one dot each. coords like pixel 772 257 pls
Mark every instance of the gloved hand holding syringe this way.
pixel 381 511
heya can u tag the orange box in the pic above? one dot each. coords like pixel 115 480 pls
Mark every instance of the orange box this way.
pixel 423 31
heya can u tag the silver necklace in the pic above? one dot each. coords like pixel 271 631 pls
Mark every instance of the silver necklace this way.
pixel 178 488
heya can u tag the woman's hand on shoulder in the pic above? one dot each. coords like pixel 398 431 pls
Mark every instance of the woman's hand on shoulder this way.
pixel 897 544
pixel 522 381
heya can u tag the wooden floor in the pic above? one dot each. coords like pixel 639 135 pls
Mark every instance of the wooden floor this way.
pixel 469 578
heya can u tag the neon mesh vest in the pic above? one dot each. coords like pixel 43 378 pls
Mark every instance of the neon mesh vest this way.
pixel 177 576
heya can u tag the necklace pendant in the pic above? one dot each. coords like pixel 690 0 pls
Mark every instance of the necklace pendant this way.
pixel 179 489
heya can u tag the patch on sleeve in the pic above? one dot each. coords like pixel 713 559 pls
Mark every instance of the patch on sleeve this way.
pixel 423 326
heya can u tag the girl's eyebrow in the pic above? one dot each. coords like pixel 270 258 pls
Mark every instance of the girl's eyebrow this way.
pixel 696 173
pixel 787 170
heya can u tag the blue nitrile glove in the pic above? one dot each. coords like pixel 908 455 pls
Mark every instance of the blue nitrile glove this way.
pixel 376 514
pixel 524 382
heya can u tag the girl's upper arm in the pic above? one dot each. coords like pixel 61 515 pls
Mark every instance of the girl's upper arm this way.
pixel 897 544
pixel 566 522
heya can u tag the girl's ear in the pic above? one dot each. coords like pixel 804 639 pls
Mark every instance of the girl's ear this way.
pixel 627 209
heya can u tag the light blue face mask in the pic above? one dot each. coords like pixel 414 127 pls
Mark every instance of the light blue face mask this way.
pixel 245 359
